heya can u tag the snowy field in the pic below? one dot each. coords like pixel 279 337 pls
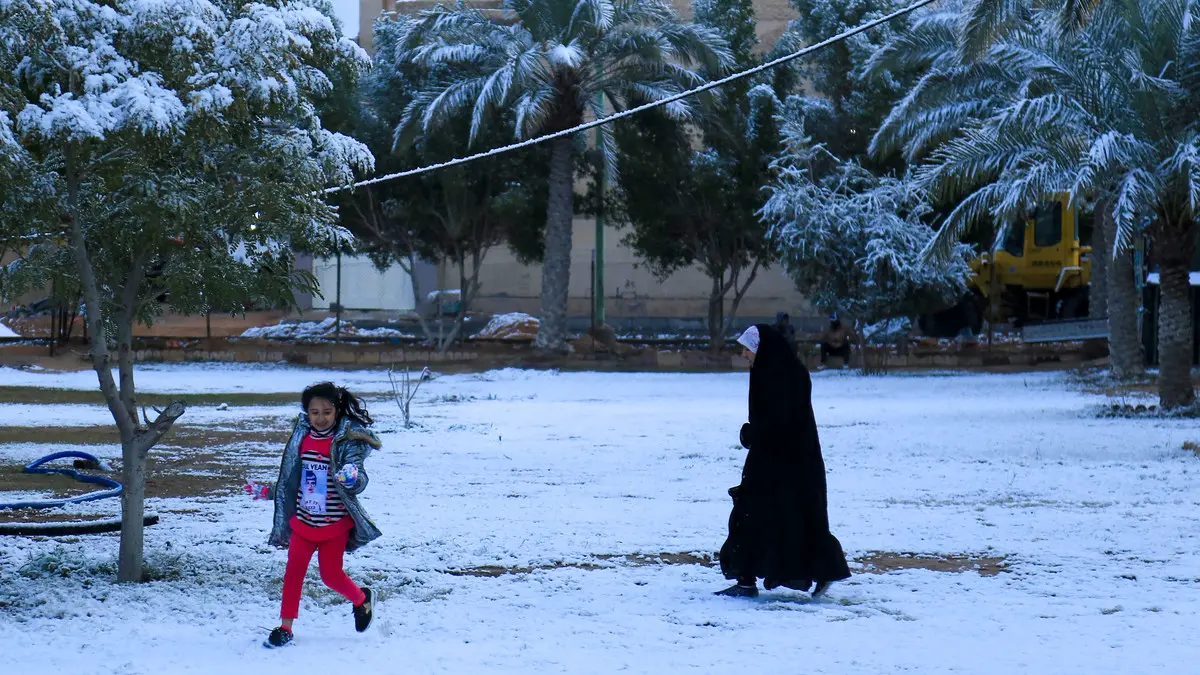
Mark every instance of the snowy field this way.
pixel 559 477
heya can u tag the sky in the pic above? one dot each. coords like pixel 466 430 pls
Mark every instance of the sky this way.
pixel 347 13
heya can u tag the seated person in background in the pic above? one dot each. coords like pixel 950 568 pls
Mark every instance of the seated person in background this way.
pixel 783 324
pixel 835 341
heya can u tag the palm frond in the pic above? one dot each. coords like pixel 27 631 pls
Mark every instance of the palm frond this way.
pixel 597 15
pixel 1076 14
pixel 450 100
pixel 1135 199
pixel 532 109
pixel 608 141
pixel 930 42
pixel 973 212
pixel 986 21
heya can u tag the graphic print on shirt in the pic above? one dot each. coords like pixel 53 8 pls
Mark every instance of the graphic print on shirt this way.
pixel 314 488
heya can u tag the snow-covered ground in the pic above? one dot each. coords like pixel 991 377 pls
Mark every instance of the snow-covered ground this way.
pixel 1097 518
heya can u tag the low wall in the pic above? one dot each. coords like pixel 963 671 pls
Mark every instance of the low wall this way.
pixel 485 356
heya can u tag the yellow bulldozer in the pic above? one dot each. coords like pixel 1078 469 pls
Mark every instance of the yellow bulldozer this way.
pixel 1040 272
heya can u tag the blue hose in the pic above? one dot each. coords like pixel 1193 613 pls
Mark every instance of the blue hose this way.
pixel 114 488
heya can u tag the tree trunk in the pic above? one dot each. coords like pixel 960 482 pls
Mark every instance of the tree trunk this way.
pixel 1124 346
pixel 133 510
pixel 556 268
pixel 1175 334
pixel 716 316
pixel 129 562
pixel 468 287
pixel 1102 242
pixel 136 441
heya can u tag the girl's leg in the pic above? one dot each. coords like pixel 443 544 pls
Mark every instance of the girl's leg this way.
pixel 300 551
pixel 329 557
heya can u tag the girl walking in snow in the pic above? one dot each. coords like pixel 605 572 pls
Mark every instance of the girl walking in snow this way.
pixel 316 500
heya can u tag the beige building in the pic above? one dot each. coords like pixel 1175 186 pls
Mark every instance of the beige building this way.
pixel 631 291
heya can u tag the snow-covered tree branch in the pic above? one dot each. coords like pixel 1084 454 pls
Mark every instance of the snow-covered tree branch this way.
pixel 852 241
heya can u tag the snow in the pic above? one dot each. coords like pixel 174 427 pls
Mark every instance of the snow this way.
pixel 448 294
pixel 1096 516
pixel 6 332
pixel 164 378
pixel 512 326
pixel 316 330
pixel 1193 278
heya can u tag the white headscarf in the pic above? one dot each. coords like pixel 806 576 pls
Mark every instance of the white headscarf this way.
pixel 749 339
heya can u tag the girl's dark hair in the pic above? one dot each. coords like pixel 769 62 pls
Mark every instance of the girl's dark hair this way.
pixel 345 403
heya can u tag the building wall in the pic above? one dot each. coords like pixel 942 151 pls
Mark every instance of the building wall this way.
pixel 363 287
pixel 631 290
pixel 773 16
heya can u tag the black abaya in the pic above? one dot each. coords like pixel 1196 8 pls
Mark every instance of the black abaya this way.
pixel 779 526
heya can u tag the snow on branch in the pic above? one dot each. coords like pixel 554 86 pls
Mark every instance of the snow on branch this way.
pixel 852 241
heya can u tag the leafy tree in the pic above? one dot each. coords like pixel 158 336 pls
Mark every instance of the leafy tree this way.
pixel 1105 110
pixel 178 147
pixel 557 62
pixel 852 241
pixel 457 214
pixel 842 103
pixel 691 191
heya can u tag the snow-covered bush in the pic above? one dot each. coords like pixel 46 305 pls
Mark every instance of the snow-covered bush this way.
pixel 852 241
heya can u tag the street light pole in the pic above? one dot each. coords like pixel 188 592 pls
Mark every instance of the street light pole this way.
pixel 601 183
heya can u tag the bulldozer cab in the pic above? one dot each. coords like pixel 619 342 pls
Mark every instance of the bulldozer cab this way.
pixel 1043 254
pixel 1041 272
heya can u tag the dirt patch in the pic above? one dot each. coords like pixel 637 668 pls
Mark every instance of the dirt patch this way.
pixel 182 475
pixel 875 562
pixel 93 396
pixel 180 436
pixel 13 479
pixel 49 516
pixel 603 560
pixel 1193 447
pixel 881 562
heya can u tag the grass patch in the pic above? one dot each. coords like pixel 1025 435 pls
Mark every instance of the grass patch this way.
pixel 1193 447
pixel 93 396
pixel 180 435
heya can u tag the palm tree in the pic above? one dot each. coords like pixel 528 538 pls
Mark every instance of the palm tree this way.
pixel 556 63
pixel 1107 111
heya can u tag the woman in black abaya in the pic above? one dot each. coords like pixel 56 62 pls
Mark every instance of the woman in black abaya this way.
pixel 779 526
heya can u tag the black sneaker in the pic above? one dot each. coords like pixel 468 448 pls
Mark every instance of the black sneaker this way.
pixel 820 588
pixel 364 613
pixel 739 591
pixel 278 638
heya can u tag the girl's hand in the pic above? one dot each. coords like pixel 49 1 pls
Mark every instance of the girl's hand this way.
pixel 347 475
pixel 259 490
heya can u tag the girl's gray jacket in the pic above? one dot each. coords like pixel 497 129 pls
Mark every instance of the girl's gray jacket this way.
pixel 352 443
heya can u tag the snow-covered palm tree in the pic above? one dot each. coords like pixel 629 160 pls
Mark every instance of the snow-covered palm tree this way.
pixel 1108 112
pixel 554 64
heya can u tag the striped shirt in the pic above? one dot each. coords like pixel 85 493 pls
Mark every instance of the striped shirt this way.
pixel 317 502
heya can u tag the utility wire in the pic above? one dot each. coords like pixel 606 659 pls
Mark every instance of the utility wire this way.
pixel 641 108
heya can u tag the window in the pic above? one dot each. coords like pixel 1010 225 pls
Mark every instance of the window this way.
pixel 1014 239
pixel 1085 227
pixel 1047 225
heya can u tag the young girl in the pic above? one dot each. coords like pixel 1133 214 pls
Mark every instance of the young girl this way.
pixel 316 500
